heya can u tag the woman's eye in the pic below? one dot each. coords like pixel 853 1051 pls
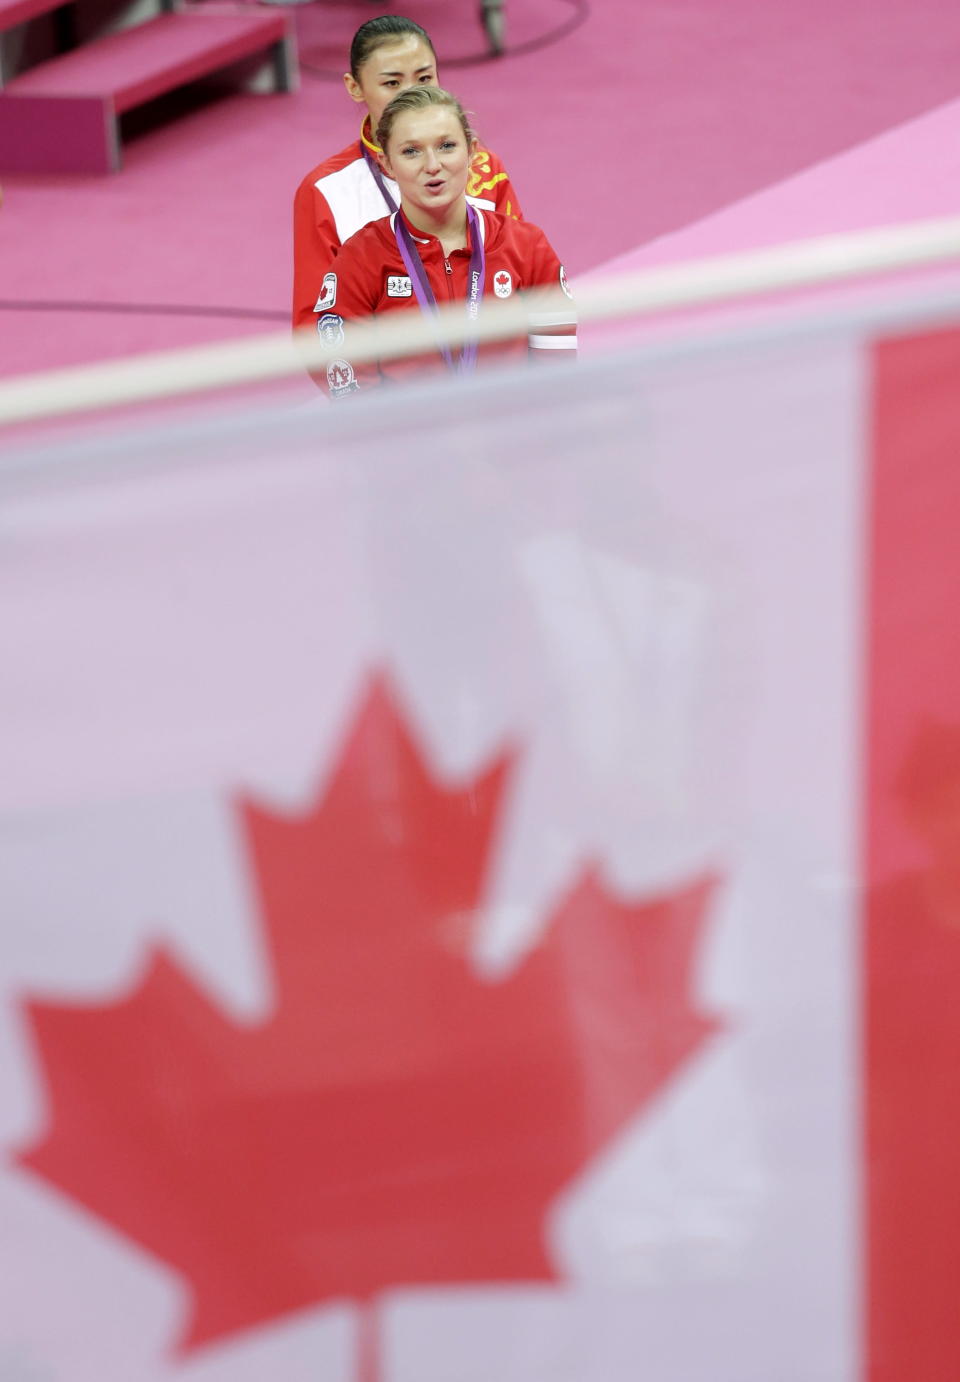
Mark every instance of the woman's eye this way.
pixel 448 144
pixel 407 153
pixel 426 80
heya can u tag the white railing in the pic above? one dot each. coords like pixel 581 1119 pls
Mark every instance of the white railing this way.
pixel 826 260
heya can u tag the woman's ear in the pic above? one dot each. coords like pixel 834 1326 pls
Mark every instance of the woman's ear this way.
pixel 353 87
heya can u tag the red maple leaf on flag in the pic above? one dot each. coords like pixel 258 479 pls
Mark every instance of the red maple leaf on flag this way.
pixel 398 1119
pixel 502 279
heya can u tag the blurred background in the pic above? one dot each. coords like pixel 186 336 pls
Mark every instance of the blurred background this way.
pixel 479 889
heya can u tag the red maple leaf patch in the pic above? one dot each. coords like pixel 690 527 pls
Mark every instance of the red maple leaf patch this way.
pixel 398 1119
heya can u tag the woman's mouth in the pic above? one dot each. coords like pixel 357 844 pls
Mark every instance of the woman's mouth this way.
pixel 435 185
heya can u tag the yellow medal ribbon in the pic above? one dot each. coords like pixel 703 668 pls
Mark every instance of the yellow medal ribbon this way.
pixel 374 148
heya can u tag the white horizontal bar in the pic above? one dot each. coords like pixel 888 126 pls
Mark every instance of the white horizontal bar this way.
pixel 553 342
pixel 829 259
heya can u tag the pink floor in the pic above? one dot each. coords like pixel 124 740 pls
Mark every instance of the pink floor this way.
pixel 636 131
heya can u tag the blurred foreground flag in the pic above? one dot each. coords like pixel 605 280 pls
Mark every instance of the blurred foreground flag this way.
pixel 490 912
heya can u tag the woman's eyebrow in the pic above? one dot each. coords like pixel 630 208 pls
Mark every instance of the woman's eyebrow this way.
pixel 427 67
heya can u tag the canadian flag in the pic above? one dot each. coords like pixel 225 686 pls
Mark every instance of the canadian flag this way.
pixel 486 913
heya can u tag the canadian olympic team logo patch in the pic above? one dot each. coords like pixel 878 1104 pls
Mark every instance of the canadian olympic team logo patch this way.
pixel 502 284
pixel 563 282
pixel 330 329
pixel 328 293
pixel 341 378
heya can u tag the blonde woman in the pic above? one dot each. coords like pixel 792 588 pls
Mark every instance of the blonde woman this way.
pixel 438 247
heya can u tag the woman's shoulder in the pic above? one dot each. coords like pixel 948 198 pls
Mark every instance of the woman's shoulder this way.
pixel 522 247
pixel 489 182
pixel 485 164
pixel 501 229
pixel 371 237
pixel 335 163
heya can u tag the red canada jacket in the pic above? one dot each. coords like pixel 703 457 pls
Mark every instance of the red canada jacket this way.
pixel 369 278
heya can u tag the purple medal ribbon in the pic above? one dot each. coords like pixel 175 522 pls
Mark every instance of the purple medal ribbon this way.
pixel 467 359
pixel 374 167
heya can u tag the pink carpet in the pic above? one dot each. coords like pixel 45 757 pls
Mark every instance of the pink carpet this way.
pixel 643 132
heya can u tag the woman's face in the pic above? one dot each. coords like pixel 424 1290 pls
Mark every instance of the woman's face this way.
pixel 390 69
pixel 428 158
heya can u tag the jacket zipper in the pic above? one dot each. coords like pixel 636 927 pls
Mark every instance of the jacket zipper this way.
pixel 448 270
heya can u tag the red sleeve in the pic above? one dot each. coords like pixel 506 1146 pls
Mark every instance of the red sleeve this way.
pixel 315 244
pixel 352 290
pixel 490 180
pixel 553 323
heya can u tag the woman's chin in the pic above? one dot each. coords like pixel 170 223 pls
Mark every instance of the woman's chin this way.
pixel 434 206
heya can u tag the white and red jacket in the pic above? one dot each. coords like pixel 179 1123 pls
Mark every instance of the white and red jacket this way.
pixel 369 278
pixel 340 196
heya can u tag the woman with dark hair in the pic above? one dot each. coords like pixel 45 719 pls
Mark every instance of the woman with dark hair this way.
pixel 440 248
pixel 388 55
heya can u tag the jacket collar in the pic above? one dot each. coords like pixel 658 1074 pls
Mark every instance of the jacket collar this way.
pixel 424 239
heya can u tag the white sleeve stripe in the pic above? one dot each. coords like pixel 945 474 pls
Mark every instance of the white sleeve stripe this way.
pixel 553 342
